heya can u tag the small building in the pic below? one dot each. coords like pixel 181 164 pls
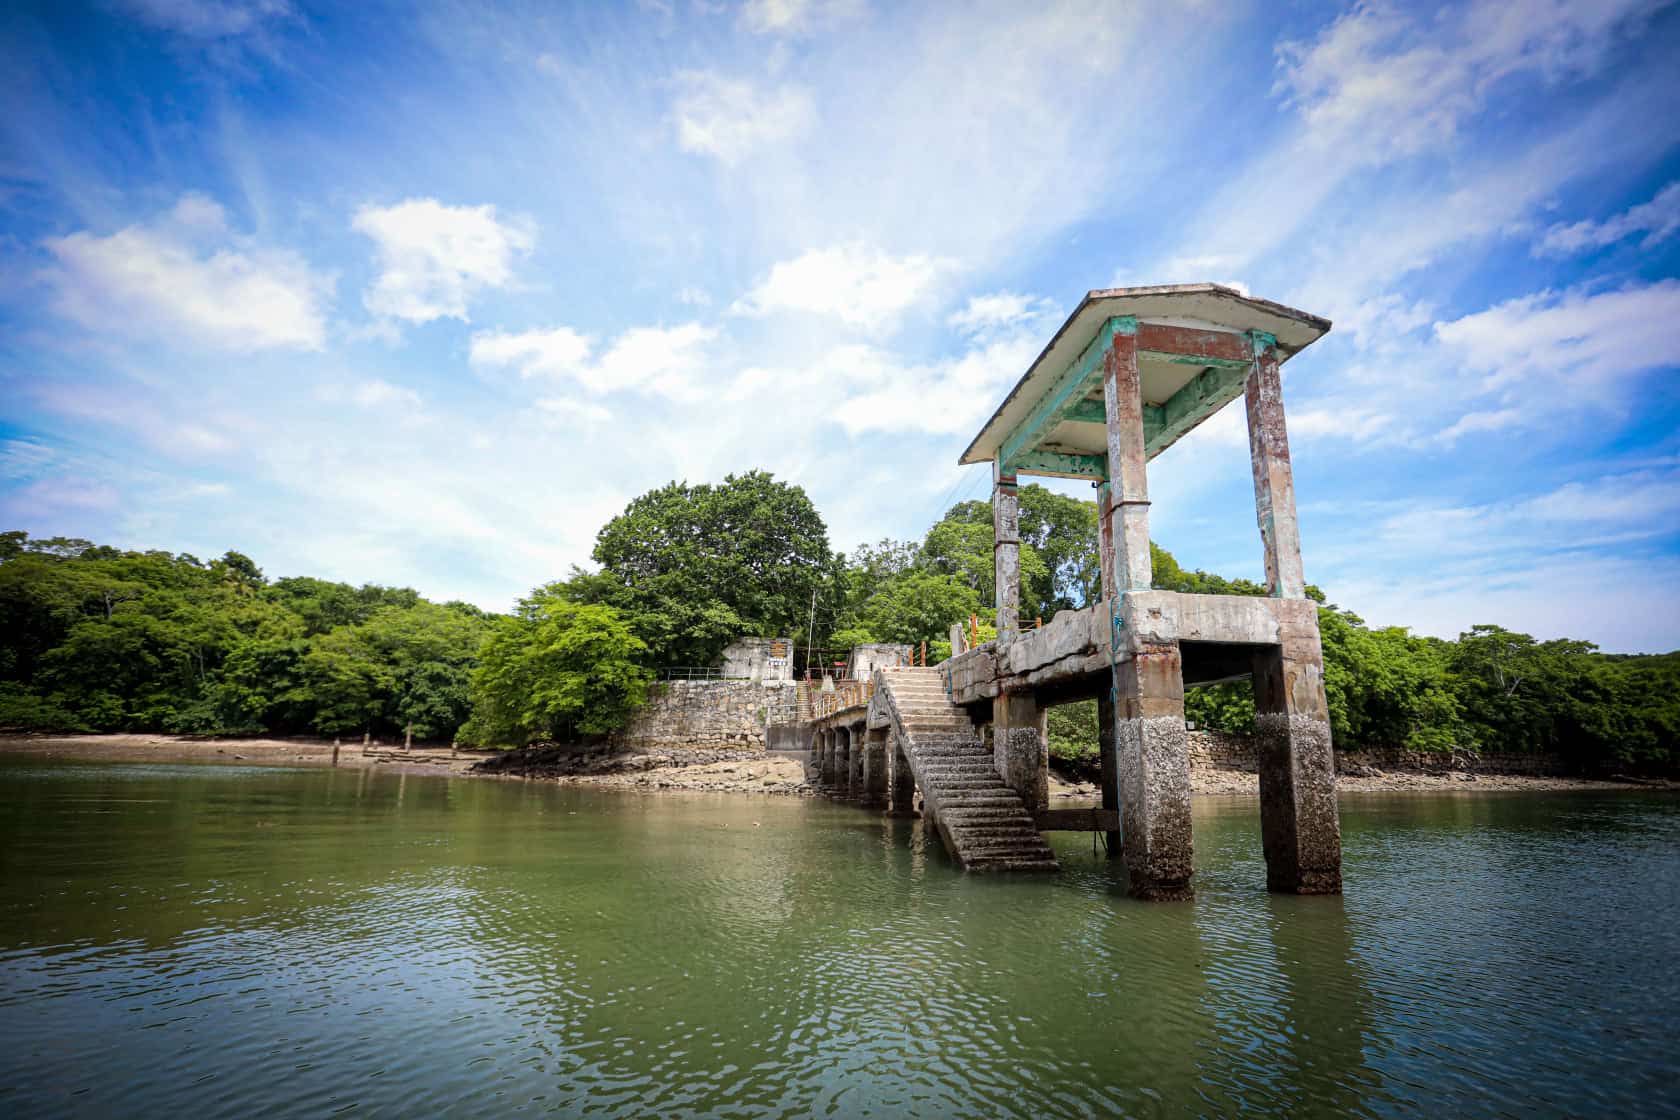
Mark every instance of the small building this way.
pixel 759 659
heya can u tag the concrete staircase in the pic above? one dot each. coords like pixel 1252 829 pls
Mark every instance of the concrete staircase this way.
pixel 984 824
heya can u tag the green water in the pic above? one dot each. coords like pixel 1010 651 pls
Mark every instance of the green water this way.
pixel 192 941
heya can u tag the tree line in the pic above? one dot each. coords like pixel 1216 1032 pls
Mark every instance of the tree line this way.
pixel 98 638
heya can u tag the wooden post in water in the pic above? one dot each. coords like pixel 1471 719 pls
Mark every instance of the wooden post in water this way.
pixel 335 752
pixel 408 737
pixel 364 744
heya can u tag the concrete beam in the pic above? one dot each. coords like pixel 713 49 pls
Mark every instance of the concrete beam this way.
pixel 1077 820
pixel 1056 464
pixel 1072 387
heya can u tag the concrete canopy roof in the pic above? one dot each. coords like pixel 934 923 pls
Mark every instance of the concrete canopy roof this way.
pixel 1205 307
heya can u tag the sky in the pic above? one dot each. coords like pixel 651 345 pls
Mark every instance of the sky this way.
pixel 424 294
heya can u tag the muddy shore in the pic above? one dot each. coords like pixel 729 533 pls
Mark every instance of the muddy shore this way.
pixel 683 770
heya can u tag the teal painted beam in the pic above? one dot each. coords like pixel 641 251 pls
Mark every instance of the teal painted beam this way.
pixel 1059 465
pixel 1195 360
pixel 1088 412
pixel 1073 386
pixel 1199 398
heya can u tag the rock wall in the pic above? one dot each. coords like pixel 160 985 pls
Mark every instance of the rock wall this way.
pixel 714 715
pixel 1215 750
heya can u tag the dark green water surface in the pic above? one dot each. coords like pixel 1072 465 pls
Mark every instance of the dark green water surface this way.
pixel 193 941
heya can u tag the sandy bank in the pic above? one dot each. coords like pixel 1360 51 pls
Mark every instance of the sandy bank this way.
pixel 265 752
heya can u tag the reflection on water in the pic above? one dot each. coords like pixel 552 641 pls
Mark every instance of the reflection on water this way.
pixel 226 940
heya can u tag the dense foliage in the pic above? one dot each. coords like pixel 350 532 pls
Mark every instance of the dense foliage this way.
pixel 96 638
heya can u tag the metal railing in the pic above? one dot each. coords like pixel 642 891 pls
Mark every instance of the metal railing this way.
pixel 850 694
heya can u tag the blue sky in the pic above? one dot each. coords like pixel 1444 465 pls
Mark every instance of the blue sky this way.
pixel 423 295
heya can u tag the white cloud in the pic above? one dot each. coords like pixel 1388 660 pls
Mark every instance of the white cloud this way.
pixel 1658 220
pixel 732 119
pixel 664 360
pixel 952 397
pixel 999 310
pixel 186 276
pixel 569 411
pixel 434 258
pixel 208 19
pixel 859 284
pixel 792 17
pixel 382 394
pixel 1589 339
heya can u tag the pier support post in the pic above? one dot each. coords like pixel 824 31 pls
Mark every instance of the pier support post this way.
pixel 1274 477
pixel 1020 751
pixel 1299 827
pixel 875 768
pixel 1153 752
pixel 1006 552
pixel 854 763
pixel 829 758
pixel 1128 505
pixel 1110 767
pixel 903 781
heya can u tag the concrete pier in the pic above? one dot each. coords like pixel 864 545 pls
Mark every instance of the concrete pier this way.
pixel 1130 372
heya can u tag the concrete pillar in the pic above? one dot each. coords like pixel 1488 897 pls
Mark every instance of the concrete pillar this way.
pixel 1110 767
pixel 875 769
pixel 854 763
pixel 1274 478
pixel 1109 759
pixel 1153 753
pixel 830 758
pixel 1020 750
pixel 1006 552
pixel 903 781
pixel 1129 515
pixel 1299 827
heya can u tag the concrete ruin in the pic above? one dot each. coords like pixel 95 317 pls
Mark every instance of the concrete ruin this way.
pixel 1130 372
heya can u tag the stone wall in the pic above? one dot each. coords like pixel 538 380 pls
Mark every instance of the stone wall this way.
pixel 718 715
pixel 1215 750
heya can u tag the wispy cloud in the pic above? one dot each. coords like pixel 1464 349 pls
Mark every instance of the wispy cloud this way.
pixel 187 277
pixel 731 119
pixel 1658 220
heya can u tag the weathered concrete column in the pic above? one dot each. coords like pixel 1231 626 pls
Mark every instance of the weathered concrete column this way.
pixel 1020 751
pixel 1006 552
pixel 1110 760
pixel 1299 827
pixel 903 781
pixel 1154 761
pixel 1274 478
pixel 1129 502
pixel 854 761
pixel 826 770
pixel 875 768
pixel 843 762
pixel 1105 702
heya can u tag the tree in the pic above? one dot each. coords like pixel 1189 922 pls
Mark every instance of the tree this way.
pixel 692 567
pixel 556 667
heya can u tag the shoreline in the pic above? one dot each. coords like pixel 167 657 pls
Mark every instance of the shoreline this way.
pixel 704 771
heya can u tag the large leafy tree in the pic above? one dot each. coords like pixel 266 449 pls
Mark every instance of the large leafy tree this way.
pixel 692 567
pixel 556 668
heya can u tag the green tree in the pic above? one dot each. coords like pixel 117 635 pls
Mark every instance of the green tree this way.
pixel 692 567
pixel 556 668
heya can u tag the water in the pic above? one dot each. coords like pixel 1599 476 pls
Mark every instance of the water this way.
pixel 191 941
